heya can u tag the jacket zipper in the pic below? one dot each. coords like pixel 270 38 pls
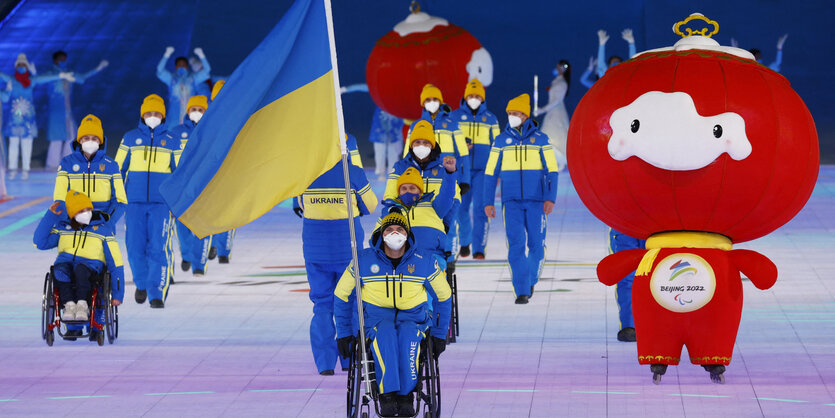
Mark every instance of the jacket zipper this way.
pixel 148 174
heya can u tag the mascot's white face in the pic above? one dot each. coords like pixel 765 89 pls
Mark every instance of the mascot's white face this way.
pixel 666 131
pixel 481 67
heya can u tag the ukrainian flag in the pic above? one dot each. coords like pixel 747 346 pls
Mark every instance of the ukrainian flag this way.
pixel 268 134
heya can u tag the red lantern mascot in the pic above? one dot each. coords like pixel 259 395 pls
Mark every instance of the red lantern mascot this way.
pixel 693 148
pixel 423 49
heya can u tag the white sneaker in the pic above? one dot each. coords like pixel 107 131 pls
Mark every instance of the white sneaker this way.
pixel 69 311
pixel 24 175
pixel 12 174
pixel 81 311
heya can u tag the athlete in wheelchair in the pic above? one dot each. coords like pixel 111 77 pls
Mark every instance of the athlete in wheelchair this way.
pixel 395 277
pixel 88 272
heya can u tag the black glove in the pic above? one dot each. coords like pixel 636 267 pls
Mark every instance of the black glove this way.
pixel 345 345
pixel 299 212
pixel 464 188
pixel 438 345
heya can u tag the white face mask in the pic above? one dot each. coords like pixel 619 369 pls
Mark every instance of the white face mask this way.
pixel 152 121
pixel 90 147
pixel 473 103
pixel 84 217
pixel 395 240
pixel 421 151
pixel 514 121
pixel 432 106
pixel 195 116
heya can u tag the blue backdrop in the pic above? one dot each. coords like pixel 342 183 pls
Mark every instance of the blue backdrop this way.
pixel 524 38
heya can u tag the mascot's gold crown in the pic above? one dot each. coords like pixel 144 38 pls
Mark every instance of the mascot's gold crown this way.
pixel 701 32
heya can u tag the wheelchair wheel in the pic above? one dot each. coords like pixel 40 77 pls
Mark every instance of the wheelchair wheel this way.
pixel 354 384
pixel 48 310
pixel 111 312
pixel 430 391
pixel 453 321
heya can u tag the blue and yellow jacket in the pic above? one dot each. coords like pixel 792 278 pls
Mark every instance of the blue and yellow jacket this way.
pixel 525 162
pixel 388 291
pixel 354 151
pixel 182 132
pixel 450 138
pixel 431 215
pixel 480 128
pixel 325 234
pixel 146 158
pixel 93 245
pixel 99 179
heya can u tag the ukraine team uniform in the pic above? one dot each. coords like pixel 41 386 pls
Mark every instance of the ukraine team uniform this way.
pixel 524 161
pixel 193 249
pixel 326 245
pixel 146 157
pixel 99 179
pixel 397 314
pixel 479 128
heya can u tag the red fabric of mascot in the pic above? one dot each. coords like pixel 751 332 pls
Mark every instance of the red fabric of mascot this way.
pixel 693 148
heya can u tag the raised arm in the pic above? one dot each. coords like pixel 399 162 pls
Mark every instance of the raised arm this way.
pixel 602 37
pixel 206 71
pixel 46 237
pixel 163 74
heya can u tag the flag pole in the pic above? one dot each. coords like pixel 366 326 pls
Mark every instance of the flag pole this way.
pixel 348 202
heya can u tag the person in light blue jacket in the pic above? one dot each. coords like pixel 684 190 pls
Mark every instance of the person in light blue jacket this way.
pixel 758 55
pixel 181 83
pixel 61 126
pixel 21 126
pixel 602 62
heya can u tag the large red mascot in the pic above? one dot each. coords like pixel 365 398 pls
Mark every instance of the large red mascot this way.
pixel 423 49
pixel 693 148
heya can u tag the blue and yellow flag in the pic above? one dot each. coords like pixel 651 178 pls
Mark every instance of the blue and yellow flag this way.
pixel 268 134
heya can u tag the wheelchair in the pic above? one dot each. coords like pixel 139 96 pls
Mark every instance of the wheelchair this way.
pixel 101 300
pixel 427 390
pixel 452 279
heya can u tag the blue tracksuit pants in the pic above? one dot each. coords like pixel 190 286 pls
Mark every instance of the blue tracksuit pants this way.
pixel 396 350
pixel 525 226
pixel 452 245
pixel 148 235
pixel 322 278
pixel 193 249
pixel 623 290
pixel 223 242
pixel 474 232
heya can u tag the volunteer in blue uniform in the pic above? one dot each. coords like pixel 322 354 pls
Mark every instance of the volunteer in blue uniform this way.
pixel 524 161
pixel 437 177
pixel 61 125
pixel 326 244
pixel 221 245
pixel 623 290
pixel 479 127
pixel 194 251
pixel 146 157
pixel 396 279
pixel 451 142
pixel 182 83
pixel 86 242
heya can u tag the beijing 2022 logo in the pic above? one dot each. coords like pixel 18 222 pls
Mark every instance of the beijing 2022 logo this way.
pixel 683 282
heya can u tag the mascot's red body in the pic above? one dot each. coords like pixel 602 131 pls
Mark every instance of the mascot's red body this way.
pixel 693 148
